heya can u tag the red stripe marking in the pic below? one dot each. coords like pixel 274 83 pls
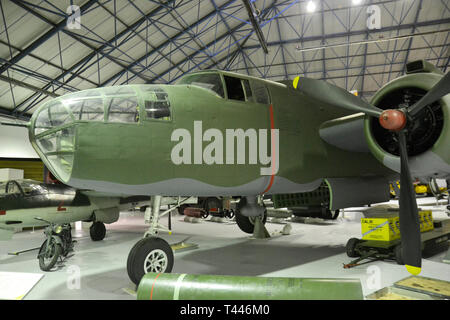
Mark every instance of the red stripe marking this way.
pixel 154 281
pixel 272 127
pixel 60 208
pixel 270 184
pixel 2 212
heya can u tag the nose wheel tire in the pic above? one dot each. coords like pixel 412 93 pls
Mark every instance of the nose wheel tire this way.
pixel 97 231
pixel 247 224
pixel 149 255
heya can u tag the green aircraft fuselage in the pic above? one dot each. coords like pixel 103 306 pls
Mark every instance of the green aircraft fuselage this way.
pixel 184 139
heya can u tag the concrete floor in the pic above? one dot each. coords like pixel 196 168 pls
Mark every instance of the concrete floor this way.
pixel 315 248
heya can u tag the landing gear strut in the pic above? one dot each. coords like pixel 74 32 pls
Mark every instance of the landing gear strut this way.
pixel 255 223
pixel 152 254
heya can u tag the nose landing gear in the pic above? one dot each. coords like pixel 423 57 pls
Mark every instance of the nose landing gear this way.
pixel 152 254
pixel 255 223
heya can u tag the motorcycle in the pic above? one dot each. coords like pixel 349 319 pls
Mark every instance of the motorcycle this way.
pixel 58 244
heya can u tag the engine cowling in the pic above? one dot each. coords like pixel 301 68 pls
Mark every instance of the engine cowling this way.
pixel 428 137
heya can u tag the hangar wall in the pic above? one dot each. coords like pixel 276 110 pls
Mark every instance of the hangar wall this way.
pixel 16 152
pixel 14 142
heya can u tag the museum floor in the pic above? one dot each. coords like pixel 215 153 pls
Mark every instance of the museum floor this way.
pixel 314 248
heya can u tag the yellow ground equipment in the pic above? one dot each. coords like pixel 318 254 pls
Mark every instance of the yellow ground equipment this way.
pixel 420 189
pixel 387 227
pixel 381 239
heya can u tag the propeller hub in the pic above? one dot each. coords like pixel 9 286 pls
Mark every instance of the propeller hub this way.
pixel 394 120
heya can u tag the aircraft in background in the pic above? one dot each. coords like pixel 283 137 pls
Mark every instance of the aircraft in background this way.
pixel 22 201
pixel 218 133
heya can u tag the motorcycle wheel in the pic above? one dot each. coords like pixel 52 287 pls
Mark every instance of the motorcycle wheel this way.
pixel 48 258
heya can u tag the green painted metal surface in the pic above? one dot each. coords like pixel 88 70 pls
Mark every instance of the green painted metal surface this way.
pixel 171 286
pixel 109 139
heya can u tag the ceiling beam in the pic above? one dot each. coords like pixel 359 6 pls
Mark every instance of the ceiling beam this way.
pixel 165 43
pixel 251 15
pixel 27 86
pixel 35 44
pixel 355 33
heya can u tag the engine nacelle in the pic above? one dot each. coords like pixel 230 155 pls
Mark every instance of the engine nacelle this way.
pixel 428 137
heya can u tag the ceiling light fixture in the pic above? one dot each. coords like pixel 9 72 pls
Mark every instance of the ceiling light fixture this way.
pixel 311 6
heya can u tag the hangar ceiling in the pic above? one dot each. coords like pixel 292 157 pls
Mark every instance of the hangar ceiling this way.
pixel 45 53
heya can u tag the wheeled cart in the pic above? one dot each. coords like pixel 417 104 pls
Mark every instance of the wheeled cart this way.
pixel 433 242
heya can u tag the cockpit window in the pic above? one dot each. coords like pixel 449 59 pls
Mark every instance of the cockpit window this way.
pixel 210 81
pixel 31 187
pixel 58 148
pixel 260 92
pixel 234 88
pixel 157 104
pixel 90 109
pixel 54 116
pixel 12 187
pixel 118 90
pixel 248 91
pixel 2 189
pixel 123 109
pixel 54 133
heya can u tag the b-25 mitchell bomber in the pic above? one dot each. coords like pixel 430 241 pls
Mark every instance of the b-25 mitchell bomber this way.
pixel 217 133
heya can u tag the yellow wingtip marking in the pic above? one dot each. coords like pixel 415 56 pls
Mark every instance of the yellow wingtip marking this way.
pixel 295 82
pixel 413 270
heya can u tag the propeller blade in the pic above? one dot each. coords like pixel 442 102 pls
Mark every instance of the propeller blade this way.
pixel 409 214
pixel 441 89
pixel 335 96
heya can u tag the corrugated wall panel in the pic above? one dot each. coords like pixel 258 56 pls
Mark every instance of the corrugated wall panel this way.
pixel 32 169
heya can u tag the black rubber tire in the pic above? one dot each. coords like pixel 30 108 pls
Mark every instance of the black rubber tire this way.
pixel 130 261
pixel 398 254
pixel 230 214
pixel 48 266
pixel 140 251
pixel 245 224
pixel 97 231
pixel 351 246
pixel 205 214
pixel 336 214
